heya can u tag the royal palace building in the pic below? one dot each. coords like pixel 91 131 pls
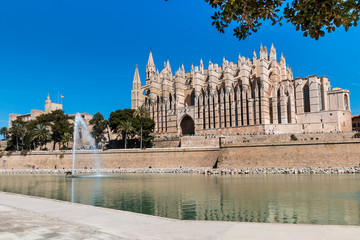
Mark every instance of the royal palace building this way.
pixel 248 96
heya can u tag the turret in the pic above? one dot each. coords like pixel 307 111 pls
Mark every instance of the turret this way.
pixel 272 53
pixel 47 104
pixel 150 68
pixel 136 99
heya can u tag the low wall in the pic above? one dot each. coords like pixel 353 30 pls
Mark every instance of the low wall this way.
pixel 291 155
pixel 299 154
pixel 111 159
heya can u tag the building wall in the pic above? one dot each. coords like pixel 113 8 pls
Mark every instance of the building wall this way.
pixel 355 123
pixel 249 93
pixel 49 107
pixel 291 155
pixel 112 159
pixel 253 155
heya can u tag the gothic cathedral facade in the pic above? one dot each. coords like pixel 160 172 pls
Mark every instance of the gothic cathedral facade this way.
pixel 250 96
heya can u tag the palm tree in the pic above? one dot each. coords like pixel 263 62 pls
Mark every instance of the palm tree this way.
pixel 4 132
pixel 141 112
pixel 125 127
pixel 18 130
pixel 42 134
pixel 66 138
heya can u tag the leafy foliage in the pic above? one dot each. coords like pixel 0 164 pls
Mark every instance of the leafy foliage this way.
pixel 4 131
pixel 17 133
pixel 141 112
pixel 51 126
pixel 125 128
pixel 312 17
pixel 128 115
pixel 59 126
pixel 99 127
pixel 41 135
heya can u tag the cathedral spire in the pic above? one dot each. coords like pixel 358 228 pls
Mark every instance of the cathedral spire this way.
pixel 136 80
pixel 151 60
pixel 150 68
pixel 272 52
pixel 136 90
pixel 168 65
pixel 254 55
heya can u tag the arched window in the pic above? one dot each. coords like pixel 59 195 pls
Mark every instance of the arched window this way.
pixel 346 102
pixel 192 98
pixel 170 100
pixel 306 98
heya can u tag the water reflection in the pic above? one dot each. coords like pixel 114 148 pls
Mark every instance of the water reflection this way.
pixel 317 199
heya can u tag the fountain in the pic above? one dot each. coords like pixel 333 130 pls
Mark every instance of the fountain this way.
pixel 87 142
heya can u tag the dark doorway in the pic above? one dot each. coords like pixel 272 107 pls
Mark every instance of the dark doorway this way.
pixel 187 126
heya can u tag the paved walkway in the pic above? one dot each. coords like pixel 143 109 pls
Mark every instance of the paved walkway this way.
pixel 25 217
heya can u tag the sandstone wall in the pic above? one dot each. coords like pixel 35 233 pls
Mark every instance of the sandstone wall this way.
pixel 156 158
pixel 291 155
pixel 299 154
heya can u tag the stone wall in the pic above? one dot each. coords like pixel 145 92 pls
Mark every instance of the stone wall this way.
pixel 111 159
pixel 291 155
pixel 297 154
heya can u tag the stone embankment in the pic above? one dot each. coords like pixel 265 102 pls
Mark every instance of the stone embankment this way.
pixel 205 171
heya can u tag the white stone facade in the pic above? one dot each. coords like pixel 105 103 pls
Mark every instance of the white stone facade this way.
pixel 250 96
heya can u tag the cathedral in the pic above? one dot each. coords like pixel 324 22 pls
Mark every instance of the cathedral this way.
pixel 257 95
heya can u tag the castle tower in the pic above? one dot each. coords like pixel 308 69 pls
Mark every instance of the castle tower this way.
pixel 136 90
pixel 48 104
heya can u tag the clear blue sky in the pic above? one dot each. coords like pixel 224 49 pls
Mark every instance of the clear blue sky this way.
pixel 87 50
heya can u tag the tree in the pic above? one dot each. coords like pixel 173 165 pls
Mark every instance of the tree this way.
pixel 18 131
pixel 312 17
pixel 99 125
pixel 66 138
pixel 125 127
pixel 59 123
pixel 41 134
pixel 128 115
pixel 141 112
pixel 4 131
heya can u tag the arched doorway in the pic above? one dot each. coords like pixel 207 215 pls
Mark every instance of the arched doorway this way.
pixel 187 126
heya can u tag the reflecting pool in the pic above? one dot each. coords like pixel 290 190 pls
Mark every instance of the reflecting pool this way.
pixel 314 199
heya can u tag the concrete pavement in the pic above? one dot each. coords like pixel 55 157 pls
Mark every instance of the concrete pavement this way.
pixel 26 217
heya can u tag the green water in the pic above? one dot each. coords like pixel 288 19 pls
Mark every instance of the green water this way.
pixel 314 199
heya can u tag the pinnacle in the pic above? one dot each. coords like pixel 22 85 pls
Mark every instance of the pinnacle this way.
pixel 151 60
pixel 136 75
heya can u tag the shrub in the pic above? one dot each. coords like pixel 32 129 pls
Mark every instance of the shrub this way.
pixel 293 137
pixel 357 135
pixel 24 152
